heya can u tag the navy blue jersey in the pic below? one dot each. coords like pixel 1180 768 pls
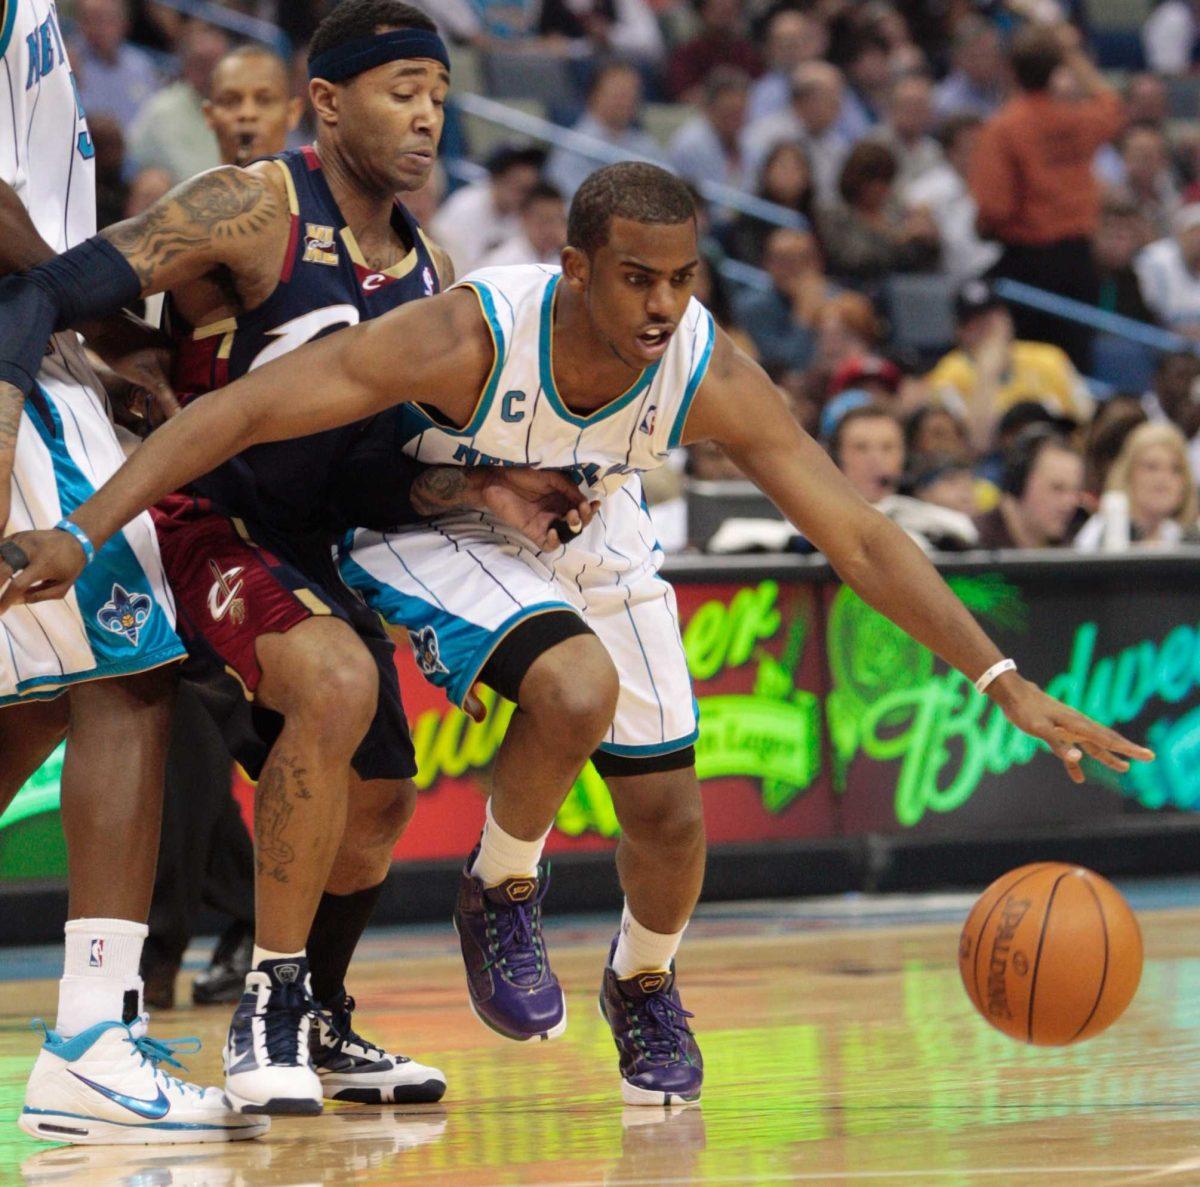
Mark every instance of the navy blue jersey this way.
pixel 325 285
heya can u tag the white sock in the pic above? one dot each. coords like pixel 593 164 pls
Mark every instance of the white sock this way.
pixel 101 967
pixel 641 950
pixel 502 856
pixel 261 954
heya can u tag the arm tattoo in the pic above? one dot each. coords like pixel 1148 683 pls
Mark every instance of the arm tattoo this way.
pixel 221 205
pixel 12 400
pixel 439 489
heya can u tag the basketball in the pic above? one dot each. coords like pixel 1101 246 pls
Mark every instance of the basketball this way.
pixel 1051 954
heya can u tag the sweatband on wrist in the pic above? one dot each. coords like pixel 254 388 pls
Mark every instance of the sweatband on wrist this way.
pixel 985 681
pixel 365 53
pixel 85 541
pixel 92 280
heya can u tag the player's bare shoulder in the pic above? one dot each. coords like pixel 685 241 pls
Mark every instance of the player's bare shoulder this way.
pixel 726 394
pixel 225 216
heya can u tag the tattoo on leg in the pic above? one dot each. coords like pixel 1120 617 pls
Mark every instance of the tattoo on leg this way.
pixel 272 812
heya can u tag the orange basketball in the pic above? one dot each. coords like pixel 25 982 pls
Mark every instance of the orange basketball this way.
pixel 1051 954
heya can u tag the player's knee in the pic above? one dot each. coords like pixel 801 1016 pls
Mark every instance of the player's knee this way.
pixel 335 689
pixel 573 688
pixel 671 822
pixel 378 819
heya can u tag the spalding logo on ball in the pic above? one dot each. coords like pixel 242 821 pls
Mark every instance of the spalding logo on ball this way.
pixel 1051 954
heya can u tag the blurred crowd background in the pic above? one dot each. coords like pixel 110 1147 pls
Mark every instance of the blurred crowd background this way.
pixel 963 237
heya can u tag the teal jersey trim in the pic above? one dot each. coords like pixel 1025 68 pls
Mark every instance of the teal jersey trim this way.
pixel 414 418
pixel 546 370
pixel 651 750
pixel 10 19
pixel 693 384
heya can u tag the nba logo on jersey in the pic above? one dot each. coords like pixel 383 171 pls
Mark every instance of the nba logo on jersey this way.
pixel 427 278
pixel 319 247
pixel 96 954
pixel 648 421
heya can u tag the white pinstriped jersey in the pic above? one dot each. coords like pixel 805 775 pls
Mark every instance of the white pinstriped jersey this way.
pixel 46 152
pixel 522 420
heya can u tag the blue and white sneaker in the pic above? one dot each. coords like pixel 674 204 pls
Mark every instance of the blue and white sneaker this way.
pixel 355 1069
pixel 268 1068
pixel 107 1086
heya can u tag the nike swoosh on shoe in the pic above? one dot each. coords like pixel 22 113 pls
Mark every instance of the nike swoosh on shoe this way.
pixel 151 1110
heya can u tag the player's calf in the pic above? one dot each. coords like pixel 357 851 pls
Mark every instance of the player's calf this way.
pixel 566 699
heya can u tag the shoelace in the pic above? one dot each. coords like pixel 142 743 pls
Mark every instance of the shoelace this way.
pixel 286 1007
pixel 158 1051
pixel 661 1036
pixel 337 1021
pixel 516 935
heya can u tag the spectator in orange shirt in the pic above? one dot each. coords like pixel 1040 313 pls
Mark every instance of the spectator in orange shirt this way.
pixel 1032 177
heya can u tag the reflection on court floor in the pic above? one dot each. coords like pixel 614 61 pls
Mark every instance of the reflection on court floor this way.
pixel 839 1048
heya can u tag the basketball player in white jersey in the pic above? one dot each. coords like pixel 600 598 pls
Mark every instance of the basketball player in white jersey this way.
pixel 89 666
pixel 600 370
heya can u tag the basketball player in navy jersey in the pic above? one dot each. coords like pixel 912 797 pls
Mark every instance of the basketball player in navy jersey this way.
pixel 605 365
pixel 257 261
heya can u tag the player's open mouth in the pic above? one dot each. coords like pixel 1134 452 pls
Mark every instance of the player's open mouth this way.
pixel 654 340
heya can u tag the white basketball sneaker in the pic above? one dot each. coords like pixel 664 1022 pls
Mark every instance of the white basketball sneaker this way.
pixel 267 1065
pixel 355 1069
pixel 106 1086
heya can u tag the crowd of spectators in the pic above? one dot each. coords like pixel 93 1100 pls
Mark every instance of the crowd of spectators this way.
pixel 920 157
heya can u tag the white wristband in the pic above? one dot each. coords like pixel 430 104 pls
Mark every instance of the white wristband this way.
pixel 984 682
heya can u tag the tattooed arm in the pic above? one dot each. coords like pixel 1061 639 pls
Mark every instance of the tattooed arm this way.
pixel 12 400
pixel 219 218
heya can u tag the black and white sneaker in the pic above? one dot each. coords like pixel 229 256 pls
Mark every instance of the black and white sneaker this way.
pixel 267 1065
pixel 355 1069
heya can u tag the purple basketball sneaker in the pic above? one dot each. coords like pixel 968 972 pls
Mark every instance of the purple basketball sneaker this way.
pixel 660 1060
pixel 511 985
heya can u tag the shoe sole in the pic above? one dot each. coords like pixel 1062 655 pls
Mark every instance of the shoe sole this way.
pixel 631 1094
pixel 282 1106
pixel 553 1033
pixel 426 1093
pixel 85 1131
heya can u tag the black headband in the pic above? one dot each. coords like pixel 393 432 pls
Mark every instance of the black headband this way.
pixel 365 53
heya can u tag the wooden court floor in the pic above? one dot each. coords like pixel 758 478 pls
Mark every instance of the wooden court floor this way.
pixel 839 1045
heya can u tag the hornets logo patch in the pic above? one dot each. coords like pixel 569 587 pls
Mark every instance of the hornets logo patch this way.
pixel 427 651
pixel 125 613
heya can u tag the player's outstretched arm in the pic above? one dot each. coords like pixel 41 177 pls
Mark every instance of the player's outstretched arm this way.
pixel 437 351
pixel 738 407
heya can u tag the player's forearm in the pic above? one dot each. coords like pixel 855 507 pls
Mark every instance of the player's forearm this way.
pixel 12 400
pixel 21 246
pixel 890 573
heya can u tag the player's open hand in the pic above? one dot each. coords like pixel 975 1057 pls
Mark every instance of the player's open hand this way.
pixel 1067 732
pixel 38 567
pixel 544 505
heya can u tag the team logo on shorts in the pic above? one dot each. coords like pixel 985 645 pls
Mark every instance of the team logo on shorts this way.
pixel 425 648
pixel 427 277
pixel 319 247
pixel 125 613
pixel 223 597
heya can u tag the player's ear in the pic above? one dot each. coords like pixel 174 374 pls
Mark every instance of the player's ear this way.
pixel 324 97
pixel 206 109
pixel 576 267
pixel 294 111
